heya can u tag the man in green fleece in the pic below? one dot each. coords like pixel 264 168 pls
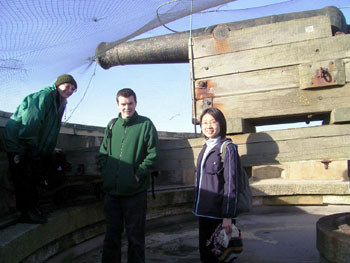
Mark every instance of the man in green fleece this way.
pixel 30 136
pixel 128 155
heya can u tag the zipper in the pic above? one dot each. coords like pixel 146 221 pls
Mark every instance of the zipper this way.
pixel 120 155
pixel 200 178
pixel 122 147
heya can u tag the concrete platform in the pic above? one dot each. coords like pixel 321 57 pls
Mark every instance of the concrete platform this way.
pixel 272 234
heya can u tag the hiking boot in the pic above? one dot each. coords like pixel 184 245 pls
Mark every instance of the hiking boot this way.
pixel 32 217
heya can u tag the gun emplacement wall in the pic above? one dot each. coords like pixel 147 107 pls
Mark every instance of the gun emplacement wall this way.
pixel 272 70
pixel 284 72
pixel 288 71
pixel 275 70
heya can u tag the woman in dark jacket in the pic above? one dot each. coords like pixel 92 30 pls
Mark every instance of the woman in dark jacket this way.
pixel 215 191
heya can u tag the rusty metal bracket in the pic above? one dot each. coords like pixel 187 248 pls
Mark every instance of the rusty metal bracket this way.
pixel 324 77
pixel 326 163
pixel 322 74
pixel 204 90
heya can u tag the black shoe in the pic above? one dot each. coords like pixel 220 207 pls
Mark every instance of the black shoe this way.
pixel 32 217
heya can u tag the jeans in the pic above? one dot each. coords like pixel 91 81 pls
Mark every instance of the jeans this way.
pixel 128 212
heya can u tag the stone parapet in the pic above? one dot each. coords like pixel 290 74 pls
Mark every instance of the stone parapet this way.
pixel 301 187
pixel 333 238
pixel 71 226
pixel 302 192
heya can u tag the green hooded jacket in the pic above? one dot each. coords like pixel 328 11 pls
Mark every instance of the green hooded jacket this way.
pixel 132 152
pixel 36 123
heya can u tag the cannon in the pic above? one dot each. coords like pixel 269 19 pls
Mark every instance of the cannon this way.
pixel 173 48
pixel 271 70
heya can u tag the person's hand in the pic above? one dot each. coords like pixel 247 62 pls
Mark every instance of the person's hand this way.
pixel 58 150
pixel 17 158
pixel 227 225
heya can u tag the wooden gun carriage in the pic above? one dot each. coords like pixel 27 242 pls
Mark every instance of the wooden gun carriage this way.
pixel 272 70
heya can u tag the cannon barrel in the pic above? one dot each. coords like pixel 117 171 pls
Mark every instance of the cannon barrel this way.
pixel 173 48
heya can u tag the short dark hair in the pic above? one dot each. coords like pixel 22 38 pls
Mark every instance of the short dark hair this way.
pixel 218 116
pixel 126 93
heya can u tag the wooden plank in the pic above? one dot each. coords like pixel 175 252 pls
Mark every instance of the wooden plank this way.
pixel 258 81
pixel 262 36
pixel 272 57
pixel 291 134
pixel 239 125
pixel 281 103
pixel 340 115
pixel 329 142
pixel 332 143
pixel 254 81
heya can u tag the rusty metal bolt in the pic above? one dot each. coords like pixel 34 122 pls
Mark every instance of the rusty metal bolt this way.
pixel 326 163
pixel 202 84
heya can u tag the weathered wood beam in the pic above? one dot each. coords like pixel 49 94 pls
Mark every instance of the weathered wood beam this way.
pixel 227 40
pixel 273 57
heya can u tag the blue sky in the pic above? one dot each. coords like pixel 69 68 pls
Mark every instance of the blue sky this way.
pixel 163 91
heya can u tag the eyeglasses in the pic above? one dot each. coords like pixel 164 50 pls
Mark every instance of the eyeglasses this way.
pixel 210 123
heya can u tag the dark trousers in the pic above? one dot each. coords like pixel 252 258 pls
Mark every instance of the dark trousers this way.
pixel 24 185
pixel 128 211
pixel 207 227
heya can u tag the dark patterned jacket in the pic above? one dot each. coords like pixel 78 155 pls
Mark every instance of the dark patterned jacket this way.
pixel 215 188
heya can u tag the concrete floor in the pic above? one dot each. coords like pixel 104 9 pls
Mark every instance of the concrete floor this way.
pixel 272 234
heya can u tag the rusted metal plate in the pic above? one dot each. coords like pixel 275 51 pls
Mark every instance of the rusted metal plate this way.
pixel 322 74
pixel 204 89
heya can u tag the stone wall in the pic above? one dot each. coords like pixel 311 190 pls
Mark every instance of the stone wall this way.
pixel 81 144
pixel 303 166
pixel 83 219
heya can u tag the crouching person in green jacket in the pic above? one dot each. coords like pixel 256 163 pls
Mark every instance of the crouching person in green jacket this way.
pixel 30 135
pixel 128 155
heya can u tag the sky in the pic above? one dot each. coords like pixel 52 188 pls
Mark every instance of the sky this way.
pixel 164 90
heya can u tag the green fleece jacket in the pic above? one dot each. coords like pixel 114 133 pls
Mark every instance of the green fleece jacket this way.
pixel 132 155
pixel 35 124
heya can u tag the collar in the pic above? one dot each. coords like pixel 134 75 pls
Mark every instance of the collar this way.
pixel 212 142
pixel 128 121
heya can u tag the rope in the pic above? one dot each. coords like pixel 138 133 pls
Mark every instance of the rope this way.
pixel 166 3
pixel 190 50
pixel 82 98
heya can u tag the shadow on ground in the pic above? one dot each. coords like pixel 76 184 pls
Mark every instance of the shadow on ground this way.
pixel 283 234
